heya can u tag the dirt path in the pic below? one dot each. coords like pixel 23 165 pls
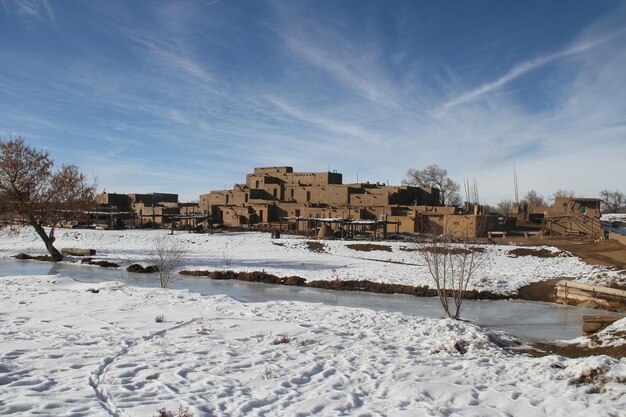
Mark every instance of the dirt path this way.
pixel 605 252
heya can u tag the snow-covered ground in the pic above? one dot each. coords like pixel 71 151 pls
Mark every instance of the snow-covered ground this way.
pixel 69 351
pixel 395 263
pixel 614 217
pixel 612 336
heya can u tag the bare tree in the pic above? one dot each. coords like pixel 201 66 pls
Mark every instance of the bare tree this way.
pixel 534 200
pixel 505 207
pixel 435 176
pixel 167 254
pixel 452 266
pixel 34 193
pixel 612 201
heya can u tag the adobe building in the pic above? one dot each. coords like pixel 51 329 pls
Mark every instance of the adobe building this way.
pixel 277 194
pixel 155 209
pixel 573 216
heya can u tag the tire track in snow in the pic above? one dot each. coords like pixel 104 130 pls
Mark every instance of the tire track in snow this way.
pixel 97 377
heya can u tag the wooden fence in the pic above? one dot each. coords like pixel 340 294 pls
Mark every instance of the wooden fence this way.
pixel 571 292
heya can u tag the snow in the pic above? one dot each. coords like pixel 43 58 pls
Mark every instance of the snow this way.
pixel 67 350
pixel 612 336
pixel 290 255
pixel 613 217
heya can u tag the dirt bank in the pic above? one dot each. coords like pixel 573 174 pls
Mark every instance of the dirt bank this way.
pixel 349 285
pixel 540 291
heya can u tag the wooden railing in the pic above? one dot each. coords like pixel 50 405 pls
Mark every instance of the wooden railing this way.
pixel 573 226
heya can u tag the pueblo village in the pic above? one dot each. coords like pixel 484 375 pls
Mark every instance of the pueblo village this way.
pixel 176 241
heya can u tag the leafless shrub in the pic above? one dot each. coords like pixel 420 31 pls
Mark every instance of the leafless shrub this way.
pixel 268 373
pixel 452 266
pixel 159 318
pixel 182 412
pixel 226 258
pixel 306 342
pixel 204 330
pixel 167 254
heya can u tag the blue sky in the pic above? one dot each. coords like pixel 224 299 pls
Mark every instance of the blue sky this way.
pixel 189 96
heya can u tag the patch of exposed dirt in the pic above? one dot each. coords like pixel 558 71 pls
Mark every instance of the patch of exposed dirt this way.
pixel 540 349
pixel 138 269
pixel 450 251
pixel 104 264
pixel 314 246
pixel 349 285
pixel 256 276
pixel 369 247
pixel 603 252
pixel 539 253
pixel 25 256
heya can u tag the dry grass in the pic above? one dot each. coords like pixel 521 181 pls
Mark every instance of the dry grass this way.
pixel 160 318
pixel 281 340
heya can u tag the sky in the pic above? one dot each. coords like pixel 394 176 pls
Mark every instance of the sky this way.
pixel 189 96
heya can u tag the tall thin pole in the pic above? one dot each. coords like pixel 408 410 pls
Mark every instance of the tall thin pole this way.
pixel 515 184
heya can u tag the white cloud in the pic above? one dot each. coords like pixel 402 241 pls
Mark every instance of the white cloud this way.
pixel 30 9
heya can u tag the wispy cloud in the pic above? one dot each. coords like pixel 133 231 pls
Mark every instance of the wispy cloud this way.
pixel 525 67
pixel 30 9
pixel 193 105
pixel 328 124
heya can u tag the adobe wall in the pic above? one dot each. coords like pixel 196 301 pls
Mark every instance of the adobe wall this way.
pixel 121 201
pixel 468 226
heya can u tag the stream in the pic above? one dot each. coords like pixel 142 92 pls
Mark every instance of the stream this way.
pixel 524 319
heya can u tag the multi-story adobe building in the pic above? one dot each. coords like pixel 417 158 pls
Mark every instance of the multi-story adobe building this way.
pixel 275 193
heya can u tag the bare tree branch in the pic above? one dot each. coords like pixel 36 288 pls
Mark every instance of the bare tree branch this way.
pixel 612 201
pixel 167 254
pixel 452 266
pixel 437 177
pixel 34 193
